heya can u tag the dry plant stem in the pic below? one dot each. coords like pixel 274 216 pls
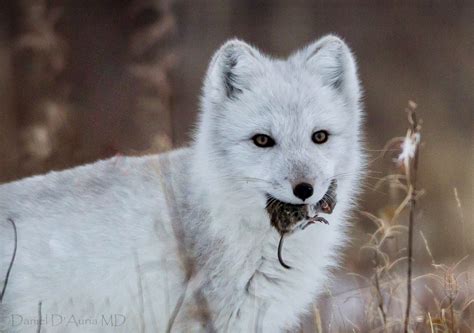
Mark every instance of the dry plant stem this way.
pixel 15 245
pixel 317 317
pixel 410 258
pixel 176 309
pixel 187 260
pixel 38 328
pixel 380 299
pixel 461 219
pixel 451 308
pixel 379 292
pixel 411 176
pixel 141 303
pixel 464 246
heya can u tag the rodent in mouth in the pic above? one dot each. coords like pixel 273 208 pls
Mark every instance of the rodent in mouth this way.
pixel 285 217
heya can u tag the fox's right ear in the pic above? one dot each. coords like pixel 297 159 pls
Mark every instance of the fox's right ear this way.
pixel 231 70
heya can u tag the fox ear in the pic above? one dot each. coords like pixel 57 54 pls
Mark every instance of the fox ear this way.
pixel 331 59
pixel 231 69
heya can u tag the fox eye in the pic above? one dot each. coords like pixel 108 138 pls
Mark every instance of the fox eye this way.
pixel 263 141
pixel 320 137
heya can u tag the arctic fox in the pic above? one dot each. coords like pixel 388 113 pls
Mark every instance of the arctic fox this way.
pixel 182 241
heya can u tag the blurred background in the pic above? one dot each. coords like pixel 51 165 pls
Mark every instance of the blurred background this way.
pixel 82 80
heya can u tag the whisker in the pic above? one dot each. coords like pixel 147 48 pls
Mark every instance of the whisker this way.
pixel 380 150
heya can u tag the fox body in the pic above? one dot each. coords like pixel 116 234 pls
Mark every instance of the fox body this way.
pixel 182 241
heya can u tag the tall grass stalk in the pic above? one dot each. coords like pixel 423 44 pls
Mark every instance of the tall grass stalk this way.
pixel 411 169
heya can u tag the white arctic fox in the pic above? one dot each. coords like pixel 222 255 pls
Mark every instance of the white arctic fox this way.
pixel 183 241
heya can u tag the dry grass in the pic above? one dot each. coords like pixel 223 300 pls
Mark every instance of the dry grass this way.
pixel 400 291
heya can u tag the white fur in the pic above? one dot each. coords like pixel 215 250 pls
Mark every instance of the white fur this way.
pixel 131 236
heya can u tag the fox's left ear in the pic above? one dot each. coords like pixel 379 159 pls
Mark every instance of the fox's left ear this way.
pixel 332 60
pixel 232 69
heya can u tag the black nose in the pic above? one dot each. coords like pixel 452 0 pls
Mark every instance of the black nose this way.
pixel 303 191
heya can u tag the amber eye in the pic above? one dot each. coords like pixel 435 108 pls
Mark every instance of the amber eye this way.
pixel 320 137
pixel 263 141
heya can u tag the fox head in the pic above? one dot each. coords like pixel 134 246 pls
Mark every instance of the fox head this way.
pixel 280 128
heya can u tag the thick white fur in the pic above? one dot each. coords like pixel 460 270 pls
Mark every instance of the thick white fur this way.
pixel 135 236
